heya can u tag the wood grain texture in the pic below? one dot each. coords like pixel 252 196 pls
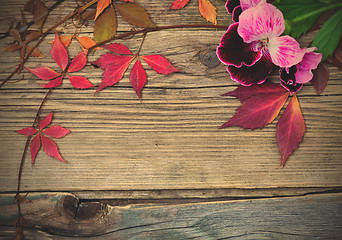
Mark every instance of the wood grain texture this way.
pixel 171 139
pixel 61 216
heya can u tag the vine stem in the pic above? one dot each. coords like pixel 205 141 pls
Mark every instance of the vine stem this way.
pixel 21 65
pixel 156 29
pixel 17 196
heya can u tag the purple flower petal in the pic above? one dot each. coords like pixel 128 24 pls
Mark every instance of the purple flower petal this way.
pixel 254 74
pixel 231 4
pixel 233 51
pixel 236 13
pixel 262 22
pixel 310 61
pixel 285 51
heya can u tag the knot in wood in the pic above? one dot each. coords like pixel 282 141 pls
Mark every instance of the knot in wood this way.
pixel 210 59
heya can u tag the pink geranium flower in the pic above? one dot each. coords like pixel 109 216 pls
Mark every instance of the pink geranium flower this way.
pixel 294 77
pixel 251 46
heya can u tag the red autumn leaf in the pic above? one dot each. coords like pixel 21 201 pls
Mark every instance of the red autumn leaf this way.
pixel 49 146
pixel 78 62
pixel 46 121
pixel 138 78
pixel 320 78
pixel 290 129
pixel 59 53
pixel 80 82
pixel 56 131
pixel 115 67
pixel 258 111
pixel 243 92
pixel 34 147
pixel 160 64
pixel 178 4
pixel 27 131
pixel 44 73
pixel 207 10
pixel 118 48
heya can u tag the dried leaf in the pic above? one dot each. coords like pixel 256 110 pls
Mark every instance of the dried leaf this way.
pixel 135 14
pixel 207 10
pixel 39 13
pixel 160 64
pixel 258 111
pixel 32 36
pixel 138 78
pixel 290 129
pixel 35 53
pixel 105 25
pixel 15 35
pixel 87 42
pixel 11 48
pixel 178 4
pixel 320 78
pixel 101 5
pixel 65 39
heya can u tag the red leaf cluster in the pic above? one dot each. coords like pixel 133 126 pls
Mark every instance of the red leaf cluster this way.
pixel 49 146
pixel 116 63
pixel 60 56
pixel 261 104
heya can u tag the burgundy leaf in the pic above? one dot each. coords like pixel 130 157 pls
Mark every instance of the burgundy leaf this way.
pixel 59 53
pixel 27 131
pixel 243 92
pixel 34 146
pixel 44 73
pixel 46 121
pixel 80 82
pixel 320 78
pixel 78 62
pixel 138 78
pixel 56 131
pixel 117 48
pixel 258 111
pixel 290 129
pixel 160 64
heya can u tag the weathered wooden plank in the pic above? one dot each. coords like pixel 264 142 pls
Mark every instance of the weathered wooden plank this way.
pixel 61 216
pixel 171 140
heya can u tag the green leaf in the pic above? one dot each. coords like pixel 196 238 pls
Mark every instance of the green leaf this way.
pixel 329 35
pixel 294 8
pixel 105 25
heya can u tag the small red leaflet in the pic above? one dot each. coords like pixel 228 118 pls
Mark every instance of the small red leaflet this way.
pixel 290 129
pixel 49 146
pixel 116 63
pixel 60 56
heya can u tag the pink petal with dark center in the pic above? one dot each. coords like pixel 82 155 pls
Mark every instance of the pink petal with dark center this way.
pixel 233 51
pixel 262 22
pixel 254 74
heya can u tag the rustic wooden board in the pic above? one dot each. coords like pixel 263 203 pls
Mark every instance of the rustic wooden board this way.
pixel 171 139
pixel 61 216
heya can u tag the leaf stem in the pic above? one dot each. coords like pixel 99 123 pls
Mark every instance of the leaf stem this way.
pixel 310 14
pixel 142 41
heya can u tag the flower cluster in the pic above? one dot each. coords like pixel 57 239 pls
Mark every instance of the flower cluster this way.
pixel 254 44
